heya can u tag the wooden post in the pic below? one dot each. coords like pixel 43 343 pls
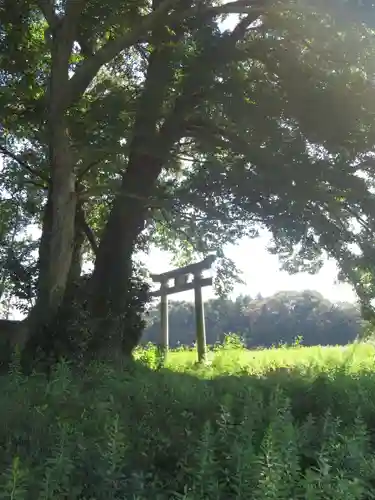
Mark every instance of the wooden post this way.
pixel 199 319
pixel 164 344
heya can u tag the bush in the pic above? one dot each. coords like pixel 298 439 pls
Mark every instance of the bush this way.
pixel 141 434
pixel 73 333
pixel 233 341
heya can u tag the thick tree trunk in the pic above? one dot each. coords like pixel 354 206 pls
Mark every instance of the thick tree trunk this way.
pixel 58 232
pixel 113 266
pixel 77 253
pixel 48 337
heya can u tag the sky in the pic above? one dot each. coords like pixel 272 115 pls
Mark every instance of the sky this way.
pixel 261 273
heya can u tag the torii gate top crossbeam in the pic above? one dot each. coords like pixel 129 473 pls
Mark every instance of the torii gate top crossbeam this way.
pixel 190 269
pixel 181 278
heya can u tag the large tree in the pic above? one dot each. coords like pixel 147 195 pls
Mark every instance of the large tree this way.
pixel 150 120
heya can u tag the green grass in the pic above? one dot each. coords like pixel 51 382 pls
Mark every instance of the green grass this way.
pixel 287 423
pixel 355 357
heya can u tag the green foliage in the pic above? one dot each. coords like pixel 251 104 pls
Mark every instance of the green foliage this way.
pixel 255 133
pixel 263 321
pixel 150 355
pixel 71 336
pixel 193 433
pixel 233 341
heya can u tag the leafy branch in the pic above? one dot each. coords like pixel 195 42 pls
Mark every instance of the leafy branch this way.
pixel 27 167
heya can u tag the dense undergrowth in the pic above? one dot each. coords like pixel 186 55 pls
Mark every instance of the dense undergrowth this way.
pixel 287 423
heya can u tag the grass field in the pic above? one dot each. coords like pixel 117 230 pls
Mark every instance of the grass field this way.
pixel 284 423
pixel 318 359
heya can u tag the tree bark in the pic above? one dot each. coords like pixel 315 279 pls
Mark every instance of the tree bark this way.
pixel 50 326
pixel 113 266
pixel 79 239
pixel 148 154
pixel 58 231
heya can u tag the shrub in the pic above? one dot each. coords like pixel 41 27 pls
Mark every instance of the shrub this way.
pixel 137 433
pixel 233 341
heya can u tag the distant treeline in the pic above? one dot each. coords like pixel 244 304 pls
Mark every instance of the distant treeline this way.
pixel 263 321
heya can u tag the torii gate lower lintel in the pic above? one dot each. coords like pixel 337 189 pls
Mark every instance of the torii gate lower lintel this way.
pixel 182 284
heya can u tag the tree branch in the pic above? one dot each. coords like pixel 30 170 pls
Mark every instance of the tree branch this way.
pixel 89 233
pixel 24 165
pixel 46 6
pixel 195 89
pixel 35 183
pixel 150 203
pixel 73 10
pixel 90 67
pixel 240 29
pixel 240 7
pixel 90 236
pixel 67 31
pixel 178 230
pixel 366 226
pixel 88 167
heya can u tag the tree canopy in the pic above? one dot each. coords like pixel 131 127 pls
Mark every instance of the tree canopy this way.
pixel 263 321
pixel 125 124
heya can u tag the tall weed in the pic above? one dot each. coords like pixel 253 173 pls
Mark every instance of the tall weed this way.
pixel 280 425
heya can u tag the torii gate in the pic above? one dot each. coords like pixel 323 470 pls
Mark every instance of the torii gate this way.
pixel 182 283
